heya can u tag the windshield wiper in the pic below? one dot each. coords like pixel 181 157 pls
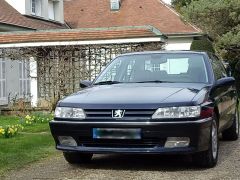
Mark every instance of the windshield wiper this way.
pixel 154 81
pixel 107 82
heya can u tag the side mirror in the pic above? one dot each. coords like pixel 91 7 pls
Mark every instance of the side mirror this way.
pixel 228 68
pixel 85 83
pixel 225 81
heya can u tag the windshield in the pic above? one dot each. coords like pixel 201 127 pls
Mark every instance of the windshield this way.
pixel 162 67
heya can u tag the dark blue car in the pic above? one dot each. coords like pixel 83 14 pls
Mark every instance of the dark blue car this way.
pixel 166 102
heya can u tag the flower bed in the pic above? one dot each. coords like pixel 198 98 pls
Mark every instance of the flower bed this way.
pixel 9 131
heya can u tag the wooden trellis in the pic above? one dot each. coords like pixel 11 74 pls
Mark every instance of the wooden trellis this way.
pixel 60 68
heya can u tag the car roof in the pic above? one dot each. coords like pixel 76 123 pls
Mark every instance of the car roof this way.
pixel 165 51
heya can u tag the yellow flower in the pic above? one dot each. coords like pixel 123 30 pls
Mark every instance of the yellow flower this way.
pixel 28 117
pixel 2 131
pixel 11 130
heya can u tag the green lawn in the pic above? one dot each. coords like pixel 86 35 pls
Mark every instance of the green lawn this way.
pixel 8 120
pixel 28 146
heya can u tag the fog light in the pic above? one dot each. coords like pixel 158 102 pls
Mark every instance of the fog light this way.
pixel 173 142
pixel 67 141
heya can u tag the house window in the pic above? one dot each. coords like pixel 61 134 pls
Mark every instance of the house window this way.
pixel 51 9
pixel 3 94
pixel 33 3
pixel 24 78
pixel 36 6
pixel 115 5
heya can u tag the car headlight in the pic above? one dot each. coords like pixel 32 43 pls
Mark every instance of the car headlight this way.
pixel 68 112
pixel 177 112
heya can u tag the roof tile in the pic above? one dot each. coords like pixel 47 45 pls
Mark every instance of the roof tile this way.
pixel 74 35
pixel 95 13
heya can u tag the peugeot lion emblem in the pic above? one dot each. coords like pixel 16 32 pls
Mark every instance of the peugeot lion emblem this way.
pixel 118 114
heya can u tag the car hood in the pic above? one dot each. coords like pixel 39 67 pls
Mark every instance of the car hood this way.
pixel 136 95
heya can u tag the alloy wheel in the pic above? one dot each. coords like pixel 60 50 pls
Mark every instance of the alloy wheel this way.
pixel 237 122
pixel 214 139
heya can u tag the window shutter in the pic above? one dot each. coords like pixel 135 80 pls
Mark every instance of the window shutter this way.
pixel 3 93
pixel 24 79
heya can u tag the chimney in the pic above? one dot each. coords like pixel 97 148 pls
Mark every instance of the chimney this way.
pixel 115 5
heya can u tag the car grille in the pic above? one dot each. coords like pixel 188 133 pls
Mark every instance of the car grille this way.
pixel 129 114
pixel 143 143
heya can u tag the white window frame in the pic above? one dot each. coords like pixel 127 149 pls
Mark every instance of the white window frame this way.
pixel 36 7
pixel 51 10
pixel 3 82
pixel 33 6
pixel 24 79
pixel 115 5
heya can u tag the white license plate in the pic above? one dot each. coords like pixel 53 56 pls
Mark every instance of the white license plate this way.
pixel 116 133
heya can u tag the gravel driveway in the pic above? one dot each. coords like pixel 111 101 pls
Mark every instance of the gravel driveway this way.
pixel 135 167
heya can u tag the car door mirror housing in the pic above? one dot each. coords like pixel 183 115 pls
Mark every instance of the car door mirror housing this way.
pixel 228 68
pixel 225 81
pixel 85 83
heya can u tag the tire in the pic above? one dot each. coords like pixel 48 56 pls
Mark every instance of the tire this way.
pixel 209 158
pixel 232 133
pixel 77 158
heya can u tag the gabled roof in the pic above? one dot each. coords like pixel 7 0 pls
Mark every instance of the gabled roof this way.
pixel 10 16
pixel 70 35
pixel 97 13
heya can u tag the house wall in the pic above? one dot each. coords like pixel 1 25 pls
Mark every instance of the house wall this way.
pixel 25 7
pixel 178 43
pixel 16 84
pixel 19 5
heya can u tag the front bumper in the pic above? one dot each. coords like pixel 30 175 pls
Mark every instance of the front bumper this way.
pixel 154 135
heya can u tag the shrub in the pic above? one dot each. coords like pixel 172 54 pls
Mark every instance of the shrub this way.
pixel 202 45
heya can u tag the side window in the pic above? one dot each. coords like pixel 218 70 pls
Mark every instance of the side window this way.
pixel 218 68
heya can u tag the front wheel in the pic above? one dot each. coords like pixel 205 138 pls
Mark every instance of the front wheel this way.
pixel 77 158
pixel 209 158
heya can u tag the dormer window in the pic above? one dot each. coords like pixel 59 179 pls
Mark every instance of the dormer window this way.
pixel 115 5
pixel 36 7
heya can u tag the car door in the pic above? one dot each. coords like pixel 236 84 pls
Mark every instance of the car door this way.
pixel 225 96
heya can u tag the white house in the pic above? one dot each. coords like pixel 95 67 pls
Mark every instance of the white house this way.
pixel 41 23
pixel 24 15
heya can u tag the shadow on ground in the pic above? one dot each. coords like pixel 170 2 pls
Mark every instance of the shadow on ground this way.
pixel 135 167
pixel 154 162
